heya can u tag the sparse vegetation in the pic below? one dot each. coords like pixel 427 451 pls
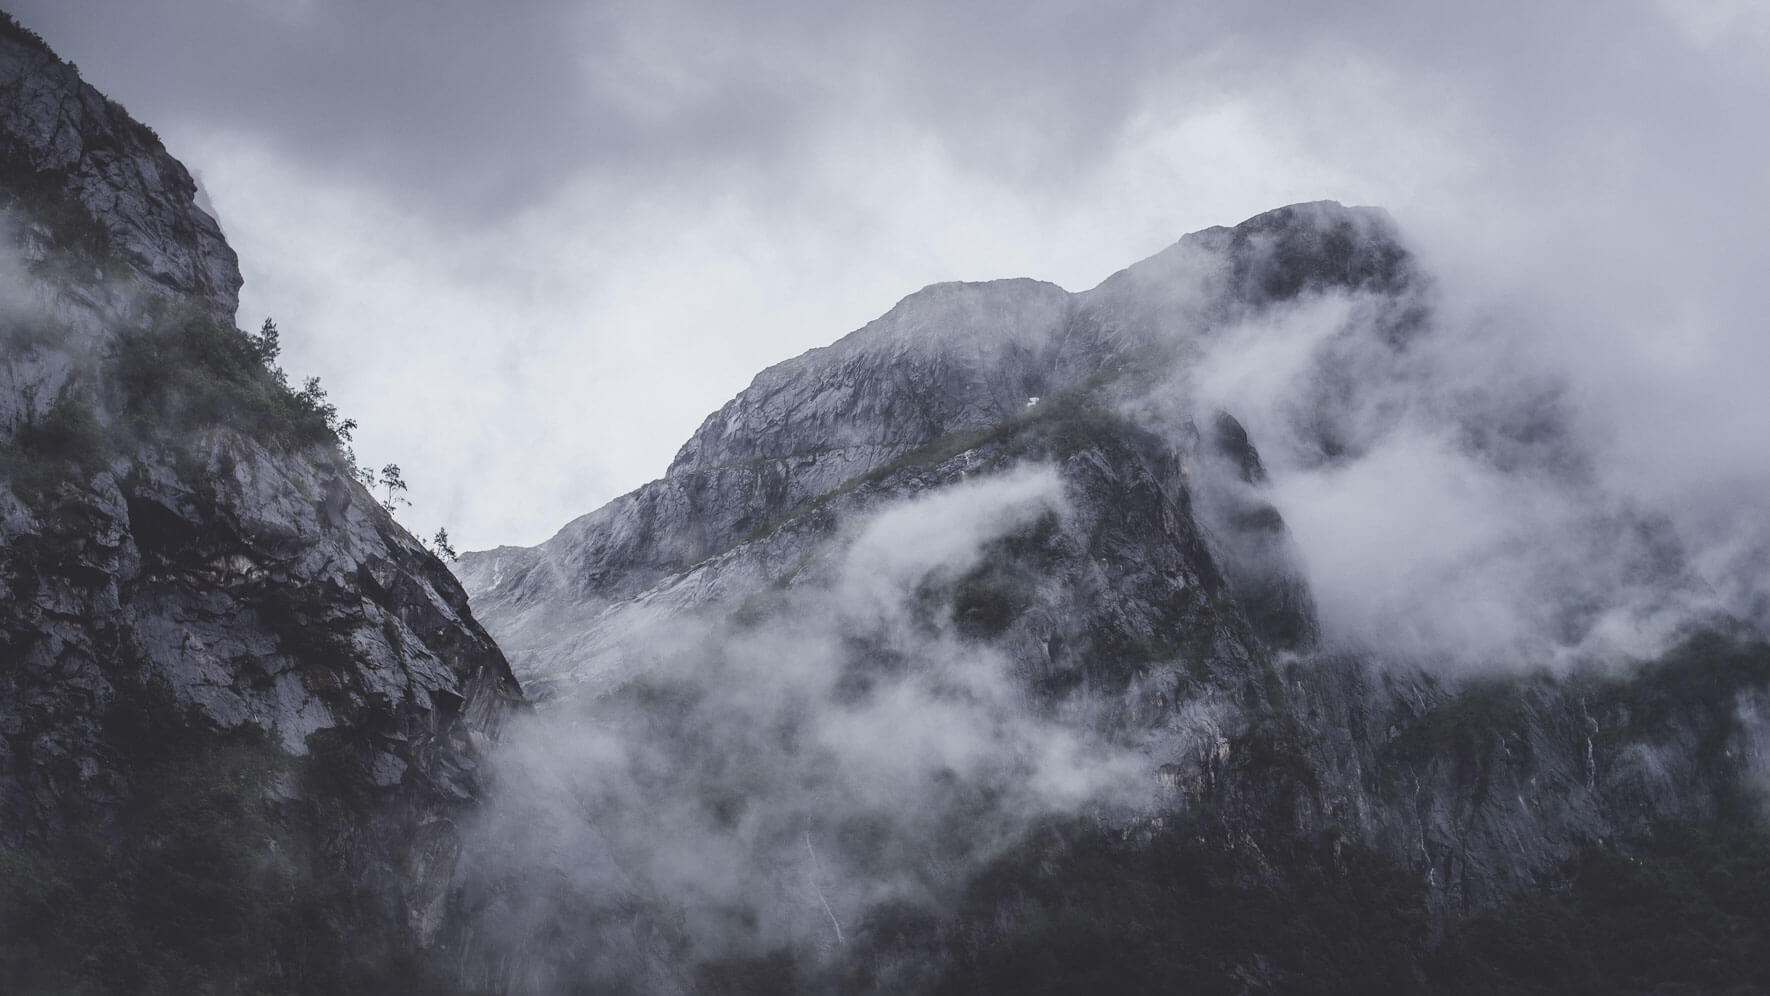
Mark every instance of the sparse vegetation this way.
pixel 176 375
pixel 11 29
pixel 393 487
pixel 179 373
pixel 440 545
pixel 186 372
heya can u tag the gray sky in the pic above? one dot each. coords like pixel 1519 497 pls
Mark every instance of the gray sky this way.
pixel 530 245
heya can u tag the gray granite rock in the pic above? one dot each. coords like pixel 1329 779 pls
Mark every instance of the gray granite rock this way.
pixel 249 576
pixel 1169 590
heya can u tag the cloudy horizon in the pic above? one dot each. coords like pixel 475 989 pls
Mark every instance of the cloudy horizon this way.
pixel 530 247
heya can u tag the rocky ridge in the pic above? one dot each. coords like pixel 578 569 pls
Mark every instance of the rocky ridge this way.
pixel 949 360
pixel 1166 604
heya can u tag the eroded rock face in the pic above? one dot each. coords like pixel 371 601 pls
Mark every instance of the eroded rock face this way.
pixel 116 168
pixel 1168 595
pixel 197 542
pixel 951 358
pixel 945 370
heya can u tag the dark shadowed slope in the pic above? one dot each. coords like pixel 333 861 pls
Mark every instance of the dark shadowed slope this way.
pixel 241 709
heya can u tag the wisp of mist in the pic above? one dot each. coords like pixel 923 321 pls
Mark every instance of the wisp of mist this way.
pixel 766 777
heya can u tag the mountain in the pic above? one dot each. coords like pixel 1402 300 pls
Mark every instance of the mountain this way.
pixel 243 710
pixel 974 652
pixel 945 371
pixel 1252 622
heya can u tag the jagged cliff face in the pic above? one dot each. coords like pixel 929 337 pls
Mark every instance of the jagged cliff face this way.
pixel 951 360
pixel 1155 605
pixel 86 148
pixel 196 596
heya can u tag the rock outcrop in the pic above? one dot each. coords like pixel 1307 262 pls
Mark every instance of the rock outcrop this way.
pixel 196 594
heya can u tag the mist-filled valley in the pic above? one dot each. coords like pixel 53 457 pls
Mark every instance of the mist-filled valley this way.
pixel 1302 608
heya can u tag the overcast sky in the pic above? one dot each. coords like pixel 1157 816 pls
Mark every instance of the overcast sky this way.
pixel 530 245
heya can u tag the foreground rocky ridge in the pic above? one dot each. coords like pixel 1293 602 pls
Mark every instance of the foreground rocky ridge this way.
pixel 233 688
pixel 1163 604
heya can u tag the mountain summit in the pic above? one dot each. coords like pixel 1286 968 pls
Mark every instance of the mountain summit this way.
pixel 1009 556
pixel 944 370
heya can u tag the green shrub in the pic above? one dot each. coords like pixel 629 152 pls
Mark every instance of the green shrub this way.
pixel 187 373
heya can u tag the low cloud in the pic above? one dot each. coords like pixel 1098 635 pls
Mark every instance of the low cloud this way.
pixel 1451 491
pixel 765 780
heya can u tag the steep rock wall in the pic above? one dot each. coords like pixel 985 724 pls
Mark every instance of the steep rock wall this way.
pixel 190 572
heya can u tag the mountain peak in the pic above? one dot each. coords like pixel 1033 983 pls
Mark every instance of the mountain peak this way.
pixel 1279 254
pixel 90 181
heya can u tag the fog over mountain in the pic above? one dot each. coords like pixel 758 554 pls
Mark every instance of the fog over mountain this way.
pixel 1352 594
pixel 1008 556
